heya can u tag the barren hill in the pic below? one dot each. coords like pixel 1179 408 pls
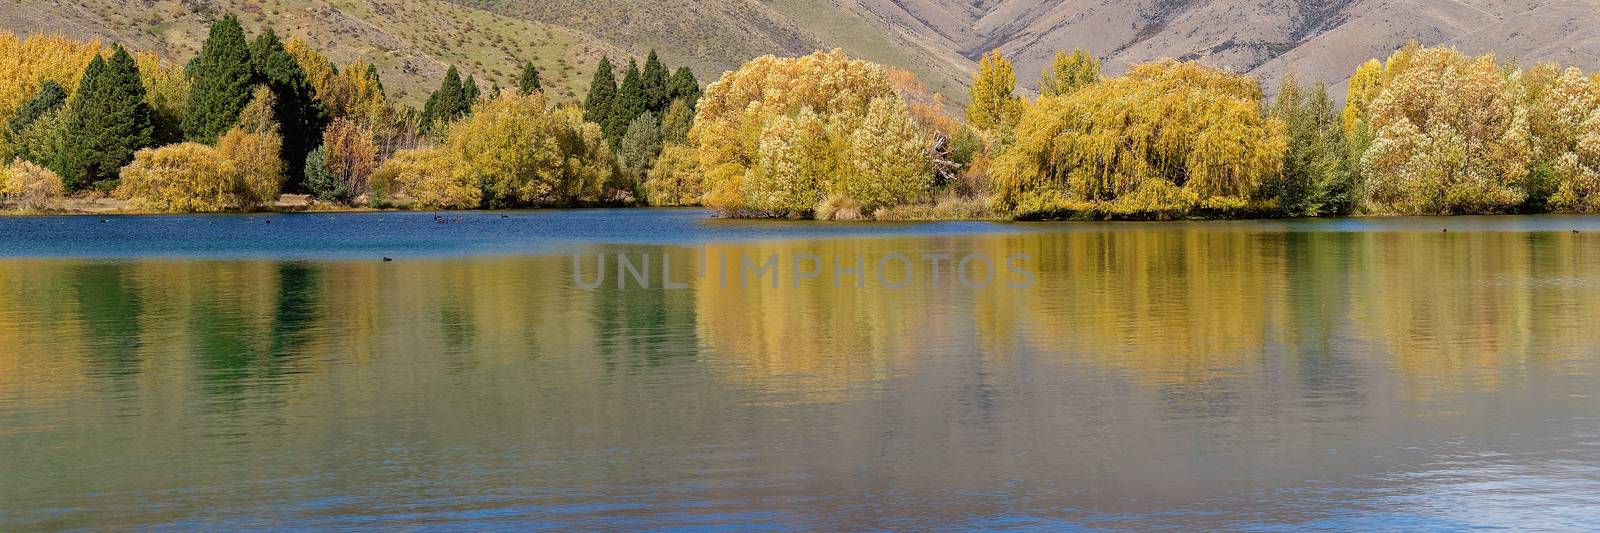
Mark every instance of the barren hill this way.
pixel 413 40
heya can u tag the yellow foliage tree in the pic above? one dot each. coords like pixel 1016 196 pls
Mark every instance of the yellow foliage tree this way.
pixel 991 104
pixel 1451 136
pixel 30 186
pixel 187 177
pixel 524 154
pixel 675 179
pixel 429 178
pixel 1364 87
pixel 349 155
pixel 24 63
pixel 1561 103
pixel 1069 73
pixel 1166 137
pixel 775 137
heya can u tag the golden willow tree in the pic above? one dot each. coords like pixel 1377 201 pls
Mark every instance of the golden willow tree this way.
pixel 1069 73
pixel 780 135
pixel 1564 118
pixel 991 104
pixel 1451 136
pixel 1163 140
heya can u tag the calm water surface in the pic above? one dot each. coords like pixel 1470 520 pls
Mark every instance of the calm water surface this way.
pixel 226 372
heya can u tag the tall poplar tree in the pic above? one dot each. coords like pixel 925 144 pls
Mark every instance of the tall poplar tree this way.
pixel 991 104
pixel 107 122
pixel 222 79
pixel 529 82
pixel 602 94
pixel 298 112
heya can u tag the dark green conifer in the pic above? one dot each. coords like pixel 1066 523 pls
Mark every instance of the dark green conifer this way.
pixel 447 103
pixel 684 85
pixel 529 82
pixel 631 102
pixel 602 94
pixel 470 88
pixel 51 96
pixel 655 85
pixel 107 122
pixel 298 112
pixel 223 77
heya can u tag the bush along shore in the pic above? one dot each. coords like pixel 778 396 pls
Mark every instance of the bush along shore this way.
pixel 262 124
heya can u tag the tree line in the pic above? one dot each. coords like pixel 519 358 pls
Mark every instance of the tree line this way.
pixel 246 120
pixel 1424 131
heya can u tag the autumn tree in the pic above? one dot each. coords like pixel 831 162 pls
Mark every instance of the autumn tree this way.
pixel 1166 138
pixel 29 62
pixel 106 122
pixel 1451 136
pixel 676 123
pixel 223 76
pixel 1563 109
pixel 779 135
pixel 991 104
pixel 31 186
pixel 1069 73
pixel 675 180
pixel 349 158
pixel 187 177
pixel 430 179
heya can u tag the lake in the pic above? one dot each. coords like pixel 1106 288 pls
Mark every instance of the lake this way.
pixel 225 372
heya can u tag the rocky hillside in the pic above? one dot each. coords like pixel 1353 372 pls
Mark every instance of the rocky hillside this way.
pixel 413 40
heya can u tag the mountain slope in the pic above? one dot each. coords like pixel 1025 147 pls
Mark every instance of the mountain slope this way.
pixel 413 40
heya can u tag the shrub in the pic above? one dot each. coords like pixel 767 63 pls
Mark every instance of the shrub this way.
pixel 675 179
pixel 256 159
pixel 187 177
pixel 31 186
pixel 429 178
pixel 1195 128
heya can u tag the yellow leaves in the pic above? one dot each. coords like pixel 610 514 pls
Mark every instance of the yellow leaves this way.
pixel 1364 87
pixel 349 154
pixel 1069 73
pixel 1452 136
pixel 26 62
pixel 991 104
pixel 32 187
pixel 347 93
pixel 254 157
pixel 187 177
pixel 675 180
pixel 777 135
pixel 1199 129
pixel 430 178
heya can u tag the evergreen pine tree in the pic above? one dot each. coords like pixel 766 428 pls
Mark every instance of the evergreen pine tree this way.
pixel 602 94
pixel 222 80
pixel 107 122
pixel 683 85
pixel 298 112
pixel 470 88
pixel 447 103
pixel 372 74
pixel 630 103
pixel 51 96
pixel 529 82
pixel 655 85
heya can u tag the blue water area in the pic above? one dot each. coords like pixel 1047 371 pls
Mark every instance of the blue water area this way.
pixel 447 234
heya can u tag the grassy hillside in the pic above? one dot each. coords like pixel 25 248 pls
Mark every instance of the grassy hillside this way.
pixel 414 40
